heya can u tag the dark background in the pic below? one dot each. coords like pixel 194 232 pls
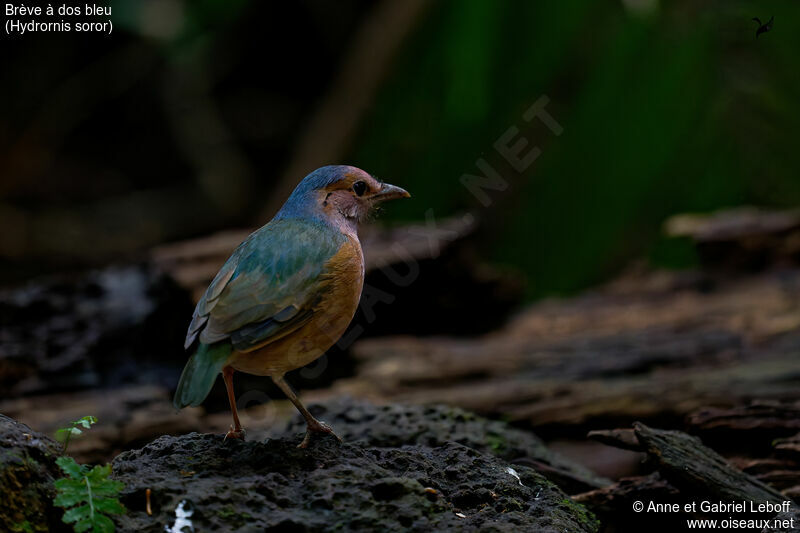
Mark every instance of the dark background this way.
pixel 199 116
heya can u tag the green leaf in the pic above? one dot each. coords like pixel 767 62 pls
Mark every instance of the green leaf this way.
pixel 86 421
pixel 68 498
pixel 107 487
pixel 70 467
pixel 76 514
pixel 99 473
pixel 70 485
pixel 108 506
pixel 87 493
pixel 81 526
pixel 103 524
pixel 63 433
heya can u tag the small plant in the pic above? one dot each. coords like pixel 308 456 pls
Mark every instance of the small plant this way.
pixel 63 435
pixel 86 493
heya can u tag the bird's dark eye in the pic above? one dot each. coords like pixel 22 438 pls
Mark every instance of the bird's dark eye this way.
pixel 359 188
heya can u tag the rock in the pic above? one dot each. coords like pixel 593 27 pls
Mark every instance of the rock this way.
pixel 396 425
pixel 274 486
pixel 399 469
pixel 27 470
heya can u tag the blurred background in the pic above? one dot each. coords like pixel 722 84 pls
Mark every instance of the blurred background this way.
pixel 132 164
pixel 198 116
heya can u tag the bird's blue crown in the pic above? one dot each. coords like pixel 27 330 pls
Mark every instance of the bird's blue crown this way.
pixel 301 203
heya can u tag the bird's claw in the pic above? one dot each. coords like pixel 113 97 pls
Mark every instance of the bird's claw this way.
pixel 317 427
pixel 234 434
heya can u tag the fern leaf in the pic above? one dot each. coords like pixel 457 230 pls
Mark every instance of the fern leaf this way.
pixel 77 514
pixel 82 526
pixel 108 506
pixel 107 487
pixel 102 524
pixel 87 494
pixel 70 467
pixel 67 497
pixel 99 473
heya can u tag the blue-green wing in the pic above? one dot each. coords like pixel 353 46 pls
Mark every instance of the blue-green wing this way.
pixel 268 286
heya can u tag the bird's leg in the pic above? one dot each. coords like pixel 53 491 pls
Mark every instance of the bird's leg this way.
pixel 236 431
pixel 314 425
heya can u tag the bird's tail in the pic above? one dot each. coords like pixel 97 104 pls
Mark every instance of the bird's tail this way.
pixel 200 372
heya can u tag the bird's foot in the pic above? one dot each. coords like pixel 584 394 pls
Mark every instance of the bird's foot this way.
pixel 316 427
pixel 234 434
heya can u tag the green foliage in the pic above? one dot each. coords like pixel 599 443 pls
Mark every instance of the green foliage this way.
pixel 88 495
pixel 674 253
pixel 24 527
pixel 662 113
pixel 64 435
pixel 497 443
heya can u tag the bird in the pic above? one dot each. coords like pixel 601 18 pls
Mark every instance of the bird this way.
pixel 763 28
pixel 287 293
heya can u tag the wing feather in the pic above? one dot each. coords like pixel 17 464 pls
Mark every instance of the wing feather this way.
pixel 209 300
pixel 268 286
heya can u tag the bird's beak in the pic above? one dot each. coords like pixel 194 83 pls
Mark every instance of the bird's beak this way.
pixel 389 192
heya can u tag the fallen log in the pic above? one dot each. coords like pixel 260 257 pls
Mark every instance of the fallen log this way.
pixel 126 324
pixel 696 469
pixel 745 427
pixel 684 473
pixel 656 346
pixel 193 263
pixel 616 500
pixel 789 447
pixel 127 416
pixel 741 239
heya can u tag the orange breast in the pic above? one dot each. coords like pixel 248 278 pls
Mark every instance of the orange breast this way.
pixel 343 282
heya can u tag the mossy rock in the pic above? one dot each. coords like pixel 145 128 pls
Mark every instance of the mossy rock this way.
pixel 27 471
pixel 433 425
pixel 406 485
